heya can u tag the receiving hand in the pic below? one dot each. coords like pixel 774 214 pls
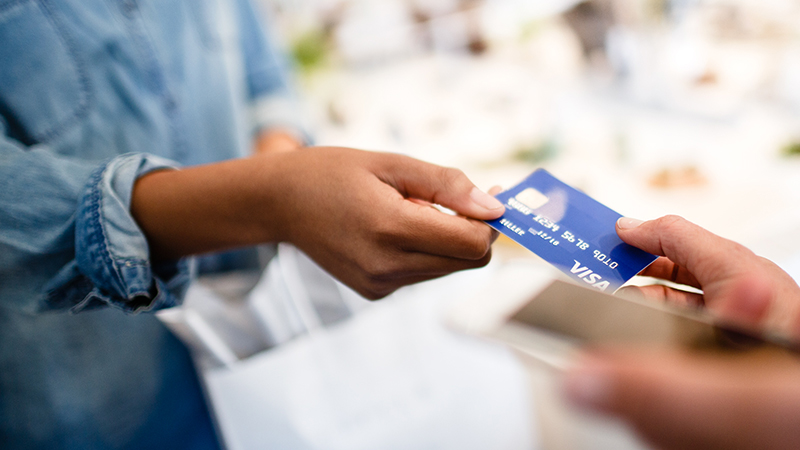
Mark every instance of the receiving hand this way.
pixel 679 400
pixel 738 286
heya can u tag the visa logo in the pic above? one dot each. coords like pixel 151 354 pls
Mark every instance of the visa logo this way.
pixel 588 276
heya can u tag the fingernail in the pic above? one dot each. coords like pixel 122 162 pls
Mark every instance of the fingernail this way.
pixel 485 200
pixel 587 386
pixel 626 223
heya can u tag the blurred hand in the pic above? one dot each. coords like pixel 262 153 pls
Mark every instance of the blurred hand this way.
pixel 365 218
pixel 686 401
pixel 276 141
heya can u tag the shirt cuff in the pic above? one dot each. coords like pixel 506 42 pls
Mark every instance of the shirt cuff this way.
pixel 110 248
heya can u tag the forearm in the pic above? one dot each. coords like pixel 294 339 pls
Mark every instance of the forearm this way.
pixel 349 210
pixel 205 208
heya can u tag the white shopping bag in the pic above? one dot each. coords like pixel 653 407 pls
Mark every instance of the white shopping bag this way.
pixel 389 377
pixel 295 296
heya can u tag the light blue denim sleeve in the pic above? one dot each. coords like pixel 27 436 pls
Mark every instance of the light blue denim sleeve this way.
pixel 272 96
pixel 67 239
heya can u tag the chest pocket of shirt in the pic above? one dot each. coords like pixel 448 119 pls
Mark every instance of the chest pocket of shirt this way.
pixel 43 88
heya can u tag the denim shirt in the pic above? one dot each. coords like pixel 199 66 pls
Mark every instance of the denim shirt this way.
pixel 94 94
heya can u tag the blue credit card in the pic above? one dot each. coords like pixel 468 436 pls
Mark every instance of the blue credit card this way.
pixel 570 230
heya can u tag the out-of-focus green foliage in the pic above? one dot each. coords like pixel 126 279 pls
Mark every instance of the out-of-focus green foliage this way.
pixel 310 50
pixel 791 149
pixel 536 153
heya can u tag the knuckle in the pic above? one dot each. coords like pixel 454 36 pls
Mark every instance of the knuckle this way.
pixel 451 176
pixel 487 257
pixel 378 270
pixel 375 280
pixel 376 290
pixel 372 295
pixel 472 263
pixel 670 231
pixel 395 231
pixel 478 246
pixel 671 222
pixel 383 232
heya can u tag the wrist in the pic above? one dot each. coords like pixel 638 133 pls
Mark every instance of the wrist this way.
pixel 207 208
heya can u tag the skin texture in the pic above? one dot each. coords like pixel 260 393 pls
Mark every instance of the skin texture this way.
pixel 681 400
pixel 361 215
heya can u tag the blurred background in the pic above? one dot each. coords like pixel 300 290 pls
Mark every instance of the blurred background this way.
pixel 651 106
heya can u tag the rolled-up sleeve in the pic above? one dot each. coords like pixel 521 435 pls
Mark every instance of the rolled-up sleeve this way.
pixel 68 241
pixel 110 248
pixel 273 98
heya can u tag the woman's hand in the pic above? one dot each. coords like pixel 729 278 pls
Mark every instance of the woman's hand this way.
pixel 363 216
